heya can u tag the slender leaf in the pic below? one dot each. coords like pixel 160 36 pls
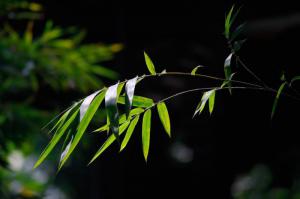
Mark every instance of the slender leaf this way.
pixel 146 133
pixel 203 101
pixel 211 101
pixel 149 64
pixel 164 117
pixel 112 109
pixel 138 101
pixel 129 132
pixel 277 98
pixel 64 153
pixel 227 70
pixel 129 93
pixel 228 23
pixel 84 124
pixel 57 136
pixel 195 70
pixel 109 141
pixel 86 103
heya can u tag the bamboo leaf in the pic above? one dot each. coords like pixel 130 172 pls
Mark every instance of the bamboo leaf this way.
pixel 57 136
pixel 149 64
pixel 86 103
pixel 129 93
pixel 227 71
pixel 146 133
pixel 129 132
pixel 109 141
pixel 206 95
pixel 195 69
pixel 112 109
pixel 277 98
pixel 64 153
pixel 211 101
pixel 228 23
pixel 138 101
pixel 164 117
pixel 84 124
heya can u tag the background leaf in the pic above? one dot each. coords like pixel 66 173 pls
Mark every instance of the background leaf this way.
pixel 164 117
pixel 277 98
pixel 146 133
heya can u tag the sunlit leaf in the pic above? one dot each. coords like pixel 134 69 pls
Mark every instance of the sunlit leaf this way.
pixel 84 124
pixel 129 132
pixel 109 141
pixel 146 133
pixel 149 64
pixel 138 101
pixel 164 117
pixel 203 101
pixel 86 103
pixel 57 136
pixel 277 98
pixel 66 149
pixel 112 109
pixel 129 93
pixel 211 101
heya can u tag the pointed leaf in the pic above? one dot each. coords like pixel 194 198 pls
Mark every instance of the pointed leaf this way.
pixel 146 133
pixel 129 132
pixel 227 70
pixel 64 153
pixel 129 93
pixel 57 136
pixel 195 69
pixel 112 109
pixel 84 124
pixel 277 98
pixel 228 23
pixel 206 95
pixel 86 103
pixel 109 141
pixel 211 101
pixel 164 117
pixel 138 101
pixel 149 64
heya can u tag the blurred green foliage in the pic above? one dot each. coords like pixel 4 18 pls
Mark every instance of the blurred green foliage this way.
pixel 34 61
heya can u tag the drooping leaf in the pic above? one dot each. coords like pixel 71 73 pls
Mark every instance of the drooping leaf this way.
pixel 277 98
pixel 129 132
pixel 86 103
pixel 195 69
pixel 211 101
pixel 227 70
pixel 112 109
pixel 164 117
pixel 109 141
pixel 138 101
pixel 203 101
pixel 146 133
pixel 129 93
pixel 57 136
pixel 149 64
pixel 84 124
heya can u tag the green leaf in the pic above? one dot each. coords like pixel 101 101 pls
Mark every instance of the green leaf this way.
pixel 109 141
pixel 86 103
pixel 277 98
pixel 164 117
pixel 112 109
pixel 211 101
pixel 206 95
pixel 228 23
pixel 195 69
pixel 138 101
pixel 146 133
pixel 227 71
pixel 84 124
pixel 149 64
pixel 57 136
pixel 129 93
pixel 129 132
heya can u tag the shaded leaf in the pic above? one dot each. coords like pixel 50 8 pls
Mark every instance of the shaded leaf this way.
pixel 227 70
pixel 112 109
pixel 146 133
pixel 149 64
pixel 57 136
pixel 129 93
pixel 211 101
pixel 277 98
pixel 84 124
pixel 138 101
pixel 109 141
pixel 129 132
pixel 238 31
pixel 164 117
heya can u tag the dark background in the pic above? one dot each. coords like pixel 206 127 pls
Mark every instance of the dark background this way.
pixel 179 36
